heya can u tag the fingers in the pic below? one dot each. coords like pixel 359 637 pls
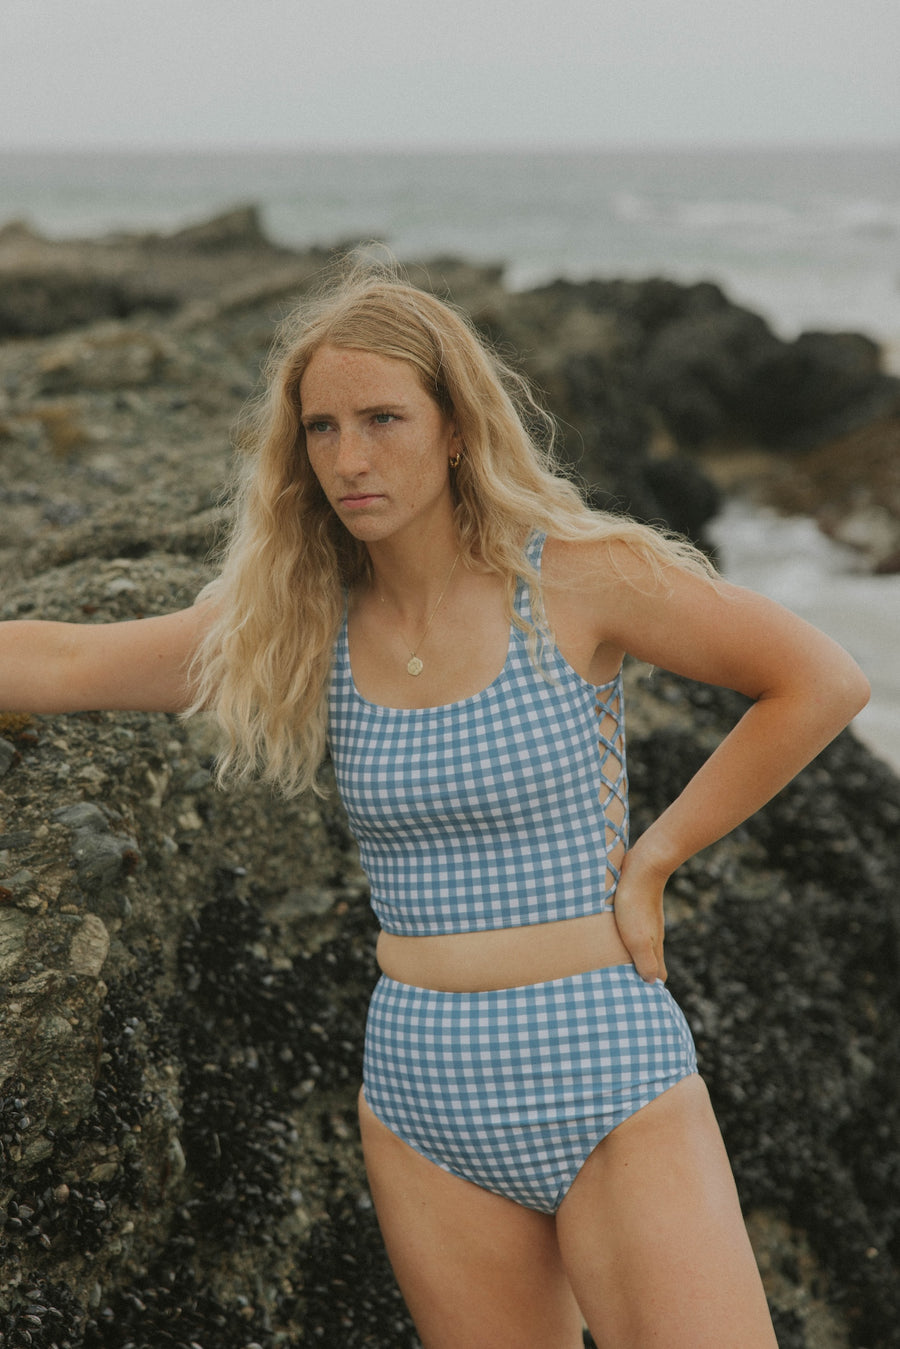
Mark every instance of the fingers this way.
pixel 648 959
pixel 643 935
pixel 640 915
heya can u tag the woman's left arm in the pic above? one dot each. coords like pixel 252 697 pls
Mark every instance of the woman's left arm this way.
pixel 805 689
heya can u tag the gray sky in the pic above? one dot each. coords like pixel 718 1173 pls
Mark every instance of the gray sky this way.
pixel 197 73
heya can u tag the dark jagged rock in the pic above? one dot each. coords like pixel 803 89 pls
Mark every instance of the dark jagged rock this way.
pixel 824 385
pixel 650 376
pixel 705 373
pixel 716 372
pixel 688 498
pixel 185 973
pixel 42 303
pixel 727 377
pixel 240 228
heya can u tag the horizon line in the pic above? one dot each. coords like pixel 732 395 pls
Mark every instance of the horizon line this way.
pixel 447 147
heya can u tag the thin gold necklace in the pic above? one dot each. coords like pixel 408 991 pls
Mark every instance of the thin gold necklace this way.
pixel 414 665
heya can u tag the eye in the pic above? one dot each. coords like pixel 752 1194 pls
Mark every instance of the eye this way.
pixel 384 418
pixel 317 428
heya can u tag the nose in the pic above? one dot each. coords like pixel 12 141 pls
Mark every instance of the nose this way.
pixel 352 458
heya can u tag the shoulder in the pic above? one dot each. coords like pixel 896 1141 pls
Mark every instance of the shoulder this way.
pixel 588 588
pixel 625 588
pixel 596 566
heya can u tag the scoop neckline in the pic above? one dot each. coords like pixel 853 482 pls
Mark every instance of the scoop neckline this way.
pixel 535 544
pixel 432 707
pixel 560 662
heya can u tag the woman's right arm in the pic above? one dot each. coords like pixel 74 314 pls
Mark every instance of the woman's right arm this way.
pixel 140 665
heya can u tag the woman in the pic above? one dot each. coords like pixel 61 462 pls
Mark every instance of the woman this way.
pixel 409 582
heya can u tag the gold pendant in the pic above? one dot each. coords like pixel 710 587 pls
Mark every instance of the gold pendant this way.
pixel 414 665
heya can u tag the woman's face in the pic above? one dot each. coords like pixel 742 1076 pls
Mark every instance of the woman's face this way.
pixel 377 442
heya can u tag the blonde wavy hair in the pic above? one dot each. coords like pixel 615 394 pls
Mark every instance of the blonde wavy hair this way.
pixel 264 666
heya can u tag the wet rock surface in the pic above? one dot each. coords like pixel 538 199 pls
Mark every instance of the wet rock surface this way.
pixel 851 487
pixel 184 974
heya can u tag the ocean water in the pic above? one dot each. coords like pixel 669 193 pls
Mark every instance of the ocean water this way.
pixel 808 238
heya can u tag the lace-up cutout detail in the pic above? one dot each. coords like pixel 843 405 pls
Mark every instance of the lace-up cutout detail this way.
pixel 613 780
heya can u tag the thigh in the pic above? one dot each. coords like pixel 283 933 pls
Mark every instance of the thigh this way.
pixel 653 1239
pixel 477 1270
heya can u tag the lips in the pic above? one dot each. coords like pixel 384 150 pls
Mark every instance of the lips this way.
pixel 357 502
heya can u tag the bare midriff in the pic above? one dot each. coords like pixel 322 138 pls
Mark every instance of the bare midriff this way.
pixel 469 962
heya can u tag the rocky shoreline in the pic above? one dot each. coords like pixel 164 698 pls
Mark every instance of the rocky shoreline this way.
pixel 185 973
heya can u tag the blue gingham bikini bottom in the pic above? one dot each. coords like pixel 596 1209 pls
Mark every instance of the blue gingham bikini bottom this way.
pixel 513 1088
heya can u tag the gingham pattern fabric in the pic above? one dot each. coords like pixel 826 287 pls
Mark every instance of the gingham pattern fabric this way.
pixel 504 809
pixel 513 1089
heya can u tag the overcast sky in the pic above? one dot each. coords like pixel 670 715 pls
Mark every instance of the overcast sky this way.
pixel 354 73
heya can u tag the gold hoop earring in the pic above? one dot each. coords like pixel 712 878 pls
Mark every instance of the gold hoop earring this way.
pixel 456 460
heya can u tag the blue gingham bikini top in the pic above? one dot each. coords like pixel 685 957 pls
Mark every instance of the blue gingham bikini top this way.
pixel 501 810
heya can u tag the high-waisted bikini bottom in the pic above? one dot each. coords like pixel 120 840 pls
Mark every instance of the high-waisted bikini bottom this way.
pixel 513 1088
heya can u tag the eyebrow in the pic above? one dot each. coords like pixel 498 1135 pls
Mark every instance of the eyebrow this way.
pixel 359 412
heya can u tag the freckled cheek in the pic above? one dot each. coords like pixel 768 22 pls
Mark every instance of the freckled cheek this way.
pixel 319 472
pixel 422 492
pixel 430 477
